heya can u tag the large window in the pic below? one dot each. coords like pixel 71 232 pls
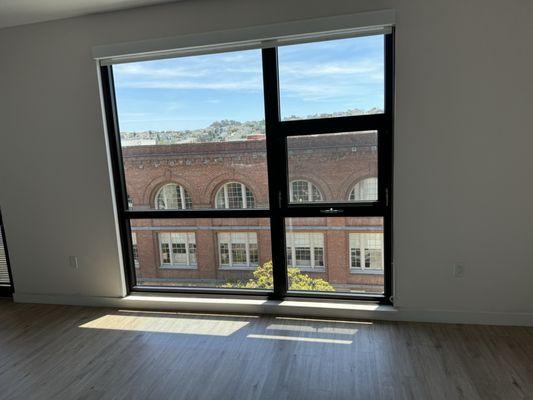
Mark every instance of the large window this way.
pixel 6 285
pixel 304 192
pixel 261 172
pixel 178 249
pixel 305 251
pixel 238 250
pixel 234 195
pixel 172 196
pixel 366 252
pixel 365 190
pixel 135 249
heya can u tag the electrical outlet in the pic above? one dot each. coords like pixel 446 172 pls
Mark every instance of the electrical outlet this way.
pixel 73 262
pixel 458 270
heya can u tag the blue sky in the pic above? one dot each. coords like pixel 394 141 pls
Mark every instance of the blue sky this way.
pixel 191 92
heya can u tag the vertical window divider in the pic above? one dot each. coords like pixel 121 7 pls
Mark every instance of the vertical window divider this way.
pixel 277 170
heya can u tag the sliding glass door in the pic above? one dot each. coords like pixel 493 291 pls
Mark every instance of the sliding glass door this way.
pixel 261 172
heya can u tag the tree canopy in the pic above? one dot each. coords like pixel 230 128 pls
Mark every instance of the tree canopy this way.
pixel 263 279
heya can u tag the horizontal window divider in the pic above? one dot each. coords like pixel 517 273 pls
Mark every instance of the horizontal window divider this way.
pixel 364 211
pixel 332 125
pixel 378 298
pixel 336 206
pixel 221 213
pixel 204 290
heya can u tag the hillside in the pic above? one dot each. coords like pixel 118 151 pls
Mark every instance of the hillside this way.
pixel 218 131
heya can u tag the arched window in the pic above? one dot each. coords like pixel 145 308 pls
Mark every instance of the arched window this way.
pixel 304 192
pixel 234 195
pixel 172 196
pixel 365 190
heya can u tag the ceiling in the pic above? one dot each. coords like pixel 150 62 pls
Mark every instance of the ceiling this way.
pixel 20 12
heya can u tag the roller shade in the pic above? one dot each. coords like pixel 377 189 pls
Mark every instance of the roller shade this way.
pixel 261 36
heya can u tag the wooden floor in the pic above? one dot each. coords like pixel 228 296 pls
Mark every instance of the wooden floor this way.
pixel 58 352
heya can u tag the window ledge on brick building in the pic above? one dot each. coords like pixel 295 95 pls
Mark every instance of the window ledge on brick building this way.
pixel 238 268
pixel 360 271
pixel 177 266
pixel 311 269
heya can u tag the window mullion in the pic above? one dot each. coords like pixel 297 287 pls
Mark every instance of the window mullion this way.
pixel 226 199
pixel 243 196
pixel 182 197
pixel 187 249
pixel 230 250
pixel 247 249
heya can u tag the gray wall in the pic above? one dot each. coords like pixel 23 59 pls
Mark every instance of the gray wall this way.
pixel 462 152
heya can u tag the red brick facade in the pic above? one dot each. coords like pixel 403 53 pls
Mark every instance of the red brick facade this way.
pixel 334 164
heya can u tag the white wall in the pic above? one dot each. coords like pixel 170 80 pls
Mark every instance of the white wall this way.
pixel 463 190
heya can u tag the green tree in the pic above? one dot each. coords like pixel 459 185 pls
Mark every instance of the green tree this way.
pixel 263 279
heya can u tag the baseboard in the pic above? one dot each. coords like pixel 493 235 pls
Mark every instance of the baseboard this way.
pixel 300 308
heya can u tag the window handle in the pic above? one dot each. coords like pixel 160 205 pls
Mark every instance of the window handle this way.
pixel 331 211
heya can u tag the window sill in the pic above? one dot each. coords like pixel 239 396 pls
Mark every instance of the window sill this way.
pixel 330 308
pixel 311 269
pixel 174 266
pixel 238 268
pixel 355 271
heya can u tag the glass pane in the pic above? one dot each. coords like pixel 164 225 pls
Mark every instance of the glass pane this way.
pixel 203 252
pixel 192 131
pixel 335 254
pixel 347 167
pixel 332 78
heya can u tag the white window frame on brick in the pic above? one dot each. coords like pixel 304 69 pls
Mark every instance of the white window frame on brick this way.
pixel 365 190
pixel 176 238
pixel 313 241
pixel 135 249
pixel 311 188
pixel 360 246
pixel 164 195
pixel 222 198
pixel 230 239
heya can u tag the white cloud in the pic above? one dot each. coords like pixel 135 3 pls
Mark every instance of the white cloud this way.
pixel 249 85
pixel 314 79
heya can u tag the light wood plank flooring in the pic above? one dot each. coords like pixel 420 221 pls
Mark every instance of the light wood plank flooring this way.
pixel 59 352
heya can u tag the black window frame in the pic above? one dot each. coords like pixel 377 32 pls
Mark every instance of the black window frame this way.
pixel 277 132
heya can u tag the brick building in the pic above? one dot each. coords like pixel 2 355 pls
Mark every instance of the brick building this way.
pixel 346 252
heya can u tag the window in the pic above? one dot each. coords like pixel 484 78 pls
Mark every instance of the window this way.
pixel 366 251
pixel 172 196
pixel 238 249
pixel 332 78
pixel 135 249
pixel 304 192
pixel 271 145
pixel 365 190
pixel 305 250
pixel 178 249
pixel 234 195
pixel 6 285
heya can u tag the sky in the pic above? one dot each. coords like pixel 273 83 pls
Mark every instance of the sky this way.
pixel 192 92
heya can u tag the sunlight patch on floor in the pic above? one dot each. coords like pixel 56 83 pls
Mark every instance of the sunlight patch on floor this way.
pixel 299 339
pixel 329 321
pixel 309 328
pixel 163 324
